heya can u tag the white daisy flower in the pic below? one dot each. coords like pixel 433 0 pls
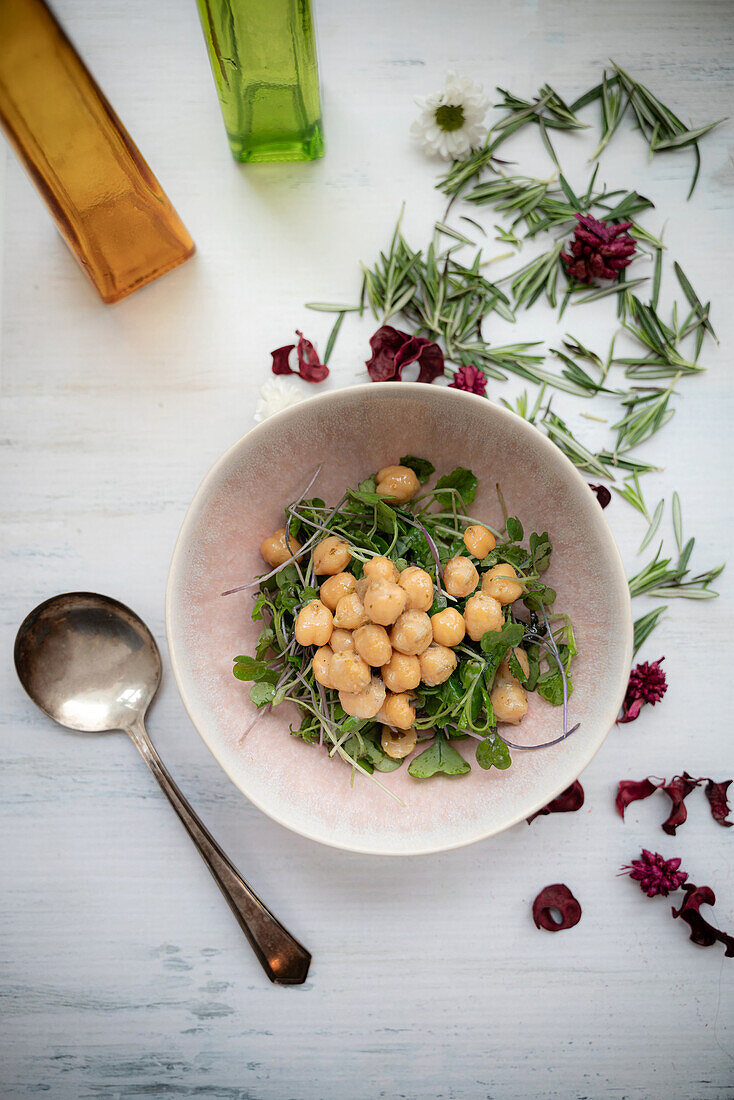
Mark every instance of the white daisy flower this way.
pixel 451 122
pixel 276 395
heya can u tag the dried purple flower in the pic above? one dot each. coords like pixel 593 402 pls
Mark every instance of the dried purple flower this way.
pixel 567 802
pixel 677 790
pixel 702 933
pixel 598 250
pixel 392 350
pixel 471 379
pixel 558 896
pixel 716 794
pixel 647 684
pixel 633 790
pixel 602 494
pixel 655 874
pixel 310 366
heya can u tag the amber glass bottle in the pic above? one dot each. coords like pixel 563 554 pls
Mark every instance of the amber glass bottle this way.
pixel 107 203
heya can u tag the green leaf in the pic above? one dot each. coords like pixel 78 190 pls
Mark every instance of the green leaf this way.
pixel 264 642
pixel 262 694
pixel 421 467
pixel 511 634
pixel 517 670
pixel 460 479
pixel 493 753
pixel 550 686
pixel 248 668
pixel 440 757
pixel 514 529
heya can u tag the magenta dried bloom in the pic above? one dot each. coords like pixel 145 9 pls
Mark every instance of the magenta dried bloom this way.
pixel 655 874
pixel 598 250
pixel 647 684
pixel 471 379
pixel 392 350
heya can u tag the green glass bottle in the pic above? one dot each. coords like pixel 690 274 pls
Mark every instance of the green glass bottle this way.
pixel 263 56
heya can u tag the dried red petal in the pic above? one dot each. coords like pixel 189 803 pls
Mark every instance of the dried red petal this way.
pixel 716 794
pixel 280 359
pixel 602 494
pixel 392 350
pixel 631 790
pixel 558 896
pixel 385 344
pixel 310 367
pixel 677 790
pixel 567 802
pixel 702 933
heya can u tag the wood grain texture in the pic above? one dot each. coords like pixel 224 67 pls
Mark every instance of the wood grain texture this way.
pixel 124 974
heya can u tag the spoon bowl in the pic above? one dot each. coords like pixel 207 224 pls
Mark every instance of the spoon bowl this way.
pixel 88 661
pixel 92 665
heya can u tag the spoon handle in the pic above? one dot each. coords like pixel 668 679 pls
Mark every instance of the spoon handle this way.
pixel 283 958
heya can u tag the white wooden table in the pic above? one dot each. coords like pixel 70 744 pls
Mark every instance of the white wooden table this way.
pixel 124 974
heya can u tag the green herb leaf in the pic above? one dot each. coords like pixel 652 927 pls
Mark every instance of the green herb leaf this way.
pixel 493 753
pixel 262 693
pixel 460 479
pixel 421 467
pixel 440 757
pixel 514 529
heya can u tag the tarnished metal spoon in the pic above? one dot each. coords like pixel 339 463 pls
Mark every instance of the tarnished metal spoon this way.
pixel 91 664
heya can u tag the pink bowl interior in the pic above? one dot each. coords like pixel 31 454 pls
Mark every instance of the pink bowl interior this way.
pixel 351 433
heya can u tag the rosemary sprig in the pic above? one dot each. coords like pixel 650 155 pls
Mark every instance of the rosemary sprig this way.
pixel 645 625
pixel 547 110
pixel 648 413
pixel 632 493
pixel 661 578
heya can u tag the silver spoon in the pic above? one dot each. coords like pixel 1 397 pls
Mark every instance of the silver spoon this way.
pixel 91 664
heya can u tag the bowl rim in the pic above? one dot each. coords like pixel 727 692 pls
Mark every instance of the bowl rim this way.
pixel 606 721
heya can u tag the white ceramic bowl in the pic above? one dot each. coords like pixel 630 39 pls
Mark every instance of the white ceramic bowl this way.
pixel 353 432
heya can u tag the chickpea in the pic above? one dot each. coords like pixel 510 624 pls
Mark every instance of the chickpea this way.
pixel 380 569
pixel 412 632
pixel 350 612
pixel 314 624
pixel 437 663
pixel 349 672
pixel 397 482
pixel 509 701
pixel 373 645
pixel 331 555
pixel 479 541
pixel 384 601
pixel 419 587
pixel 401 673
pixel 321 665
pixel 341 640
pixel 397 710
pixel 398 743
pixel 279 547
pixel 334 587
pixel 361 587
pixel 482 613
pixel 448 625
pixel 365 703
pixel 460 577
pixel 499 582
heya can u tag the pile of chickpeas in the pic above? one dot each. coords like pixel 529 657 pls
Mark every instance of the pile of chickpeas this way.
pixel 374 640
